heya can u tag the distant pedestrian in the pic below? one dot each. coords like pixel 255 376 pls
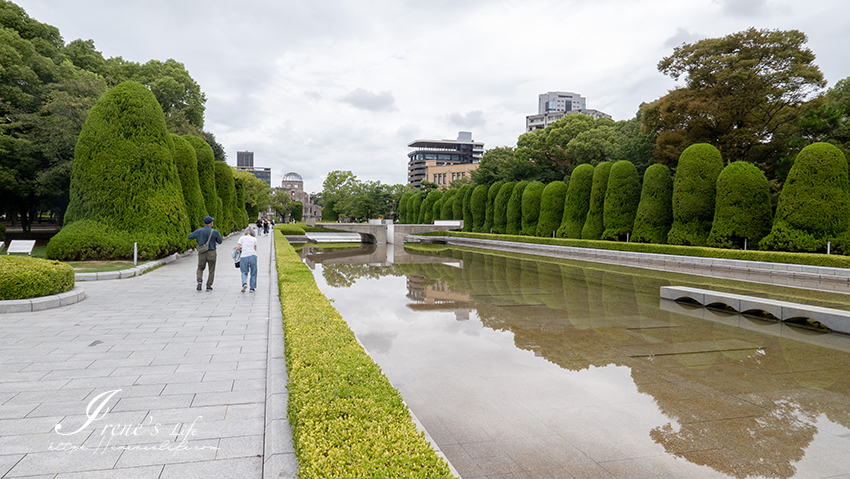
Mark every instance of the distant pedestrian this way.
pixel 247 244
pixel 259 223
pixel 266 227
pixel 207 239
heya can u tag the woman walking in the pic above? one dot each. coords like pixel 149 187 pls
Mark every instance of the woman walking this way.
pixel 248 263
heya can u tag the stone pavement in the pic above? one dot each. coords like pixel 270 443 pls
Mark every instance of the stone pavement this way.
pixel 149 378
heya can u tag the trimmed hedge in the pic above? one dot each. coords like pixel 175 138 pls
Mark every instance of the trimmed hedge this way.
pixel 514 213
pixel 415 207
pixel 289 229
pixel 812 259
pixel 468 220
pixel 426 215
pixel 90 240
pixel 489 216
pixel 655 210
pixel 594 225
pixel 187 166
pixel 206 174
pixel 24 277
pixel 500 207
pixel 743 207
pixel 240 214
pixel 123 175
pixel 347 420
pixel 577 202
pixel 814 206
pixel 2 232
pixel 227 193
pixel 694 191
pixel 551 208
pixel 478 208
pixel 457 207
pixel 403 205
pixel 621 200
pixel 531 207
pixel 446 212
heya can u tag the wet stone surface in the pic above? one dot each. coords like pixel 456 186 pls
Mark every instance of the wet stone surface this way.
pixel 537 368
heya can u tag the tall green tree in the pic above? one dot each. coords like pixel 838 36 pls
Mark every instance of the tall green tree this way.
pixel 576 203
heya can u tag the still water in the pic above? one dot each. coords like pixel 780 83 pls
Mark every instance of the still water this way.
pixel 520 366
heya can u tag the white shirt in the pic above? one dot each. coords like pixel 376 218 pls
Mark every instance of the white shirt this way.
pixel 249 245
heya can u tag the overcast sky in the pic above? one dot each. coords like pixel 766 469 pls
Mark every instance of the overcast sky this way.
pixel 322 85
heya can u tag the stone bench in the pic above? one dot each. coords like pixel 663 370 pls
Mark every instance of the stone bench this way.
pixel 835 319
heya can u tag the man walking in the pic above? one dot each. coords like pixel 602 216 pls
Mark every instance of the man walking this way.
pixel 207 238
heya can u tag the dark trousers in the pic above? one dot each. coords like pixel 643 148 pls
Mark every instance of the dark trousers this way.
pixel 204 259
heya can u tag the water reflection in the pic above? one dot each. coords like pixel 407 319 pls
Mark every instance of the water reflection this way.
pixel 736 400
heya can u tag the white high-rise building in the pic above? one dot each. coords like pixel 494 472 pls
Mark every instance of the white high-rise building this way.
pixel 554 105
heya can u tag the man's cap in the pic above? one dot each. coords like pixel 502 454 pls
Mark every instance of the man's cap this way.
pixel 208 220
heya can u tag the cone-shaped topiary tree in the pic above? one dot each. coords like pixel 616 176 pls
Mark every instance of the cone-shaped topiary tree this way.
pixel 448 204
pixel 577 202
pixel 492 192
pixel 187 166
pixel 500 208
pixel 742 210
pixel 694 192
pixel 415 207
pixel 206 174
pixel 438 208
pixel 531 207
pixel 227 192
pixel 594 225
pixel 402 206
pixel 621 200
pixel 514 213
pixel 479 208
pixel 457 207
pixel 123 176
pixel 240 215
pixel 426 215
pixel 551 208
pixel 468 220
pixel 655 210
pixel 814 206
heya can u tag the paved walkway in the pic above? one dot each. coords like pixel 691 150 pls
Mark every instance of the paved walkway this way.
pixel 148 378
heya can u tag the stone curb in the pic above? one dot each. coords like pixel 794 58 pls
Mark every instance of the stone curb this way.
pixel 44 302
pixel 279 459
pixel 657 260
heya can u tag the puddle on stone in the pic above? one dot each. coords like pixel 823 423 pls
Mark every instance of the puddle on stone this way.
pixel 516 364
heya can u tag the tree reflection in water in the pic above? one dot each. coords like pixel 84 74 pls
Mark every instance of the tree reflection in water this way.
pixel 745 404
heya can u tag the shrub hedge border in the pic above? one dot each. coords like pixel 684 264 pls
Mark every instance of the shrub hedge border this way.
pixel 809 259
pixel 347 420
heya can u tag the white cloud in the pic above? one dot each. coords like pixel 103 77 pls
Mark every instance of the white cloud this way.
pixel 366 100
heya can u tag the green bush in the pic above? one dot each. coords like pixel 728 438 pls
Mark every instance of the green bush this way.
pixel 240 214
pixel 123 174
pixel 457 207
pixel 402 207
pixel 743 207
pixel 531 207
pixel 253 212
pixel 415 207
pixel 187 166
pixel 297 211
pixel 551 208
pixel 437 210
pixel 694 191
pixel 814 206
pixel 500 207
pixel 479 207
pixel 446 212
pixel 24 277
pixel 594 225
pixel 206 174
pixel 227 193
pixel 347 420
pixel 489 215
pixel 513 215
pixel 655 211
pixel 621 200
pixel 88 240
pixel 468 221
pixel 577 202
pixel 289 229
pixel 426 216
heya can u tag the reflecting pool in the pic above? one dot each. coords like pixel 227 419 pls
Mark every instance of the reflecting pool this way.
pixel 520 366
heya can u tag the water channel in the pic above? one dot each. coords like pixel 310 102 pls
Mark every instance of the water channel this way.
pixel 521 366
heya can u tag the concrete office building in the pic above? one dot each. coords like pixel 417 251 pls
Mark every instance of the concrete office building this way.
pixel 443 161
pixel 554 105
pixel 245 162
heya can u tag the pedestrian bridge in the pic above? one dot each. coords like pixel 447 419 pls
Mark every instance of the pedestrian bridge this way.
pixel 385 232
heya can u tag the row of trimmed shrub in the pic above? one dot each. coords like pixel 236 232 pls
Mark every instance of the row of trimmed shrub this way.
pixel 24 277
pixel 706 205
pixel 347 420
pixel 132 181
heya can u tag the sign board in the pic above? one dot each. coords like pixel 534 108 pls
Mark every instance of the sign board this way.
pixel 21 246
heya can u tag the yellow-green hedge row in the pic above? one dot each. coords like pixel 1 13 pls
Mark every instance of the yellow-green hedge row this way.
pixel 347 420
pixel 24 277
pixel 811 259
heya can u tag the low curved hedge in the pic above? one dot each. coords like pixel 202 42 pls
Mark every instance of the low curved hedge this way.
pixel 290 230
pixel 347 420
pixel 89 240
pixel 24 277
